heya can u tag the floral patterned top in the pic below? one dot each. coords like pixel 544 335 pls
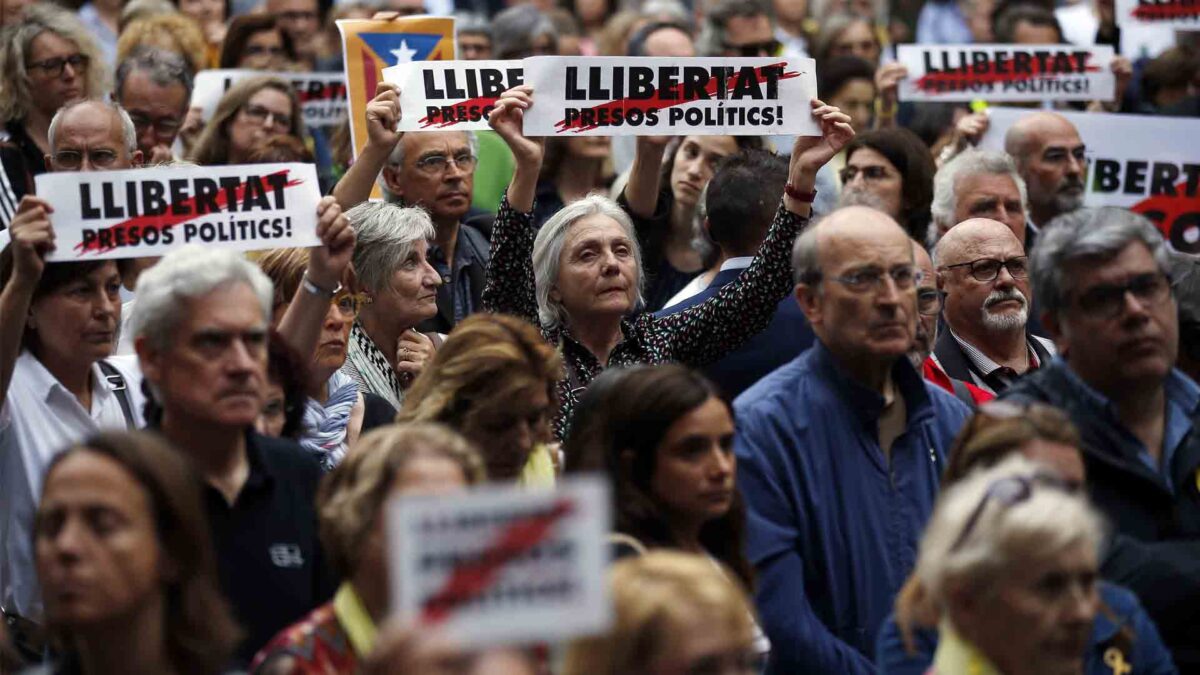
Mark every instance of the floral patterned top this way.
pixel 694 337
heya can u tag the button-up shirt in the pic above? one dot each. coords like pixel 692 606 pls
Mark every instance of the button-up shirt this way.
pixel 993 377
pixel 470 250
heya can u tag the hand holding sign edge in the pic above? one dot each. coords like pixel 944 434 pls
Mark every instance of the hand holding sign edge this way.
pixel 507 120
pixel 327 263
pixel 32 239
pixel 810 153
pixel 383 114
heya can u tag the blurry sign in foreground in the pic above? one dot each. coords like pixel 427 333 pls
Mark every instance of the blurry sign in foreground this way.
pixel 1177 14
pixel 322 95
pixel 1006 73
pixel 1148 164
pixel 451 95
pixel 503 565
pixel 137 213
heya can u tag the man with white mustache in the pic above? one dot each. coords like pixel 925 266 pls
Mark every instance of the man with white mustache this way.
pixel 983 273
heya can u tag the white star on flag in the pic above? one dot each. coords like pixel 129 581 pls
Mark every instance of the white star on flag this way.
pixel 402 53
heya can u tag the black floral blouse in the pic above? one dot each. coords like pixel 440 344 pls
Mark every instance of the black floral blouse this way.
pixel 694 337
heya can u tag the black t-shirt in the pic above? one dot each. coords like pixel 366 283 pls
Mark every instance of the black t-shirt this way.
pixel 269 558
pixel 20 161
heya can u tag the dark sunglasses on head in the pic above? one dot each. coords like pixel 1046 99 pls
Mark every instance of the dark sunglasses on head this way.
pixel 765 48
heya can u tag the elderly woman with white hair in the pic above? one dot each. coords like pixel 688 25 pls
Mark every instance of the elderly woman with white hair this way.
pixel 386 352
pixel 580 276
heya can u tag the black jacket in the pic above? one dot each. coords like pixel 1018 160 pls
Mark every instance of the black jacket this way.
pixel 954 360
pixel 1155 545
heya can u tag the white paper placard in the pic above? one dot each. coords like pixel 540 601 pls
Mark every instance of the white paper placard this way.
pixel 501 564
pixel 1177 14
pixel 1148 164
pixel 138 213
pixel 451 95
pixel 322 95
pixel 1006 73
pixel 638 96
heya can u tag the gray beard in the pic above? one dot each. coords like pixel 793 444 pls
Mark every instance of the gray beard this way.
pixel 1009 321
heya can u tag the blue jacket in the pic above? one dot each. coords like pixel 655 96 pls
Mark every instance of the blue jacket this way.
pixel 1148 655
pixel 833 526
pixel 782 340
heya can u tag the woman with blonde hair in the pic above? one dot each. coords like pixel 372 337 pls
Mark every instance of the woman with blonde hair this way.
pixel 173 32
pixel 427 459
pixel 493 379
pixel 673 613
pixel 249 112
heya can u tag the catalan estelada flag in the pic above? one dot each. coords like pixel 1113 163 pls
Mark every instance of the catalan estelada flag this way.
pixel 369 46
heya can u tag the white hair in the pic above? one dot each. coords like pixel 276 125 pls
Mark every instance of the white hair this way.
pixel 385 234
pixel 547 249
pixel 128 131
pixel 969 163
pixel 186 274
pixel 396 159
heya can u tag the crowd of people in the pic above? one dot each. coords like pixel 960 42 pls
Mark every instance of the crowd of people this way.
pixel 875 401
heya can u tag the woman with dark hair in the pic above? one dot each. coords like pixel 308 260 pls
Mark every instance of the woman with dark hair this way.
pixel 125 562
pixel 255 41
pixel 891 170
pixel 249 112
pixel 574 168
pixel 287 383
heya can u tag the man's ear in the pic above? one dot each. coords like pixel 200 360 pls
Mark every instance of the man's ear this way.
pixel 148 360
pixel 941 280
pixel 49 160
pixel 809 298
pixel 137 159
pixel 391 178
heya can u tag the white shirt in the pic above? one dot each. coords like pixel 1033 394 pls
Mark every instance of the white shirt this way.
pixel 39 419
pixel 703 281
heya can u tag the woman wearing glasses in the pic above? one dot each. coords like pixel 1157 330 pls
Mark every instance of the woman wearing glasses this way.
pixel 891 170
pixel 251 111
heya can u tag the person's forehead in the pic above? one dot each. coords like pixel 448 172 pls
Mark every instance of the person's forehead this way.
pixel 270 97
pixel 231 307
pixel 1133 259
pixel 749 26
pixel 90 126
pixel 713 145
pixel 594 228
pixel 475 38
pixel 979 186
pixel 141 89
pixel 670 42
pixel 864 240
pixel 1055 132
pixel 995 243
pixel 435 142
pixel 865 156
pixel 293 5
pixel 266 35
pixel 48 44
pixel 89 479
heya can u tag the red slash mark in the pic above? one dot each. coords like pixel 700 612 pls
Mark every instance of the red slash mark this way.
pixel 168 218
pixel 1177 10
pixel 470 580
pixel 481 102
pixel 658 102
pixel 955 80
pixel 1177 216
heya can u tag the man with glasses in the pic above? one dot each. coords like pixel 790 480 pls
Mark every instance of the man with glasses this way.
pixel 739 28
pixel 92 136
pixel 1101 278
pixel 841 450
pixel 983 273
pixel 1052 160
pixel 154 87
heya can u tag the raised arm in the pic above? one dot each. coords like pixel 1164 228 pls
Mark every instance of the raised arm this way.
pixel 645 176
pixel 383 114
pixel 32 239
pixel 510 281
pixel 741 309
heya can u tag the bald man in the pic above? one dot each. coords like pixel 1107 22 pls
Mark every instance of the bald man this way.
pixel 92 136
pixel 1051 158
pixel 840 450
pixel 983 274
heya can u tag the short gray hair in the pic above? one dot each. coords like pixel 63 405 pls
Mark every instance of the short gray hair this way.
pixel 470 23
pixel 163 67
pixel 385 237
pixel 806 267
pixel 969 163
pixel 396 158
pixel 548 246
pixel 128 131
pixel 184 274
pixel 1097 234
pixel 514 30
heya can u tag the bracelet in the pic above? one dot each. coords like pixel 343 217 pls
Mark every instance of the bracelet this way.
pixel 882 113
pixel 315 289
pixel 798 194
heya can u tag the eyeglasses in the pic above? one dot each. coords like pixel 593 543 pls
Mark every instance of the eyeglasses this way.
pixel 260 114
pixel 869 173
pixel 872 279
pixel 255 50
pixel 438 164
pixel 72 160
pixel 1107 300
pixel 163 126
pixel 929 301
pixel 297 16
pixel 764 48
pixel 1008 492
pixel 350 304
pixel 54 67
pixel 987 269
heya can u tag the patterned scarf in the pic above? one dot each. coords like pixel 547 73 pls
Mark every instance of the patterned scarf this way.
pixel 325 426
pixel 370 368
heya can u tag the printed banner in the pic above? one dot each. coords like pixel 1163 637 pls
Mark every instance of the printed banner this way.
pixel 619 96
pixel 503 565
pixel 369 46
pixel 138 213
pixel 1148 164
pixel 1177 14
pixel 451 94
pixel 1006 73
pixel 322 95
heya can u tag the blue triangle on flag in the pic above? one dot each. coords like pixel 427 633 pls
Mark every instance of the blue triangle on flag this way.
pixel 391 46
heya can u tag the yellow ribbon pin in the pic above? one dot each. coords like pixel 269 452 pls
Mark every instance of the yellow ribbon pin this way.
pixel 1113 658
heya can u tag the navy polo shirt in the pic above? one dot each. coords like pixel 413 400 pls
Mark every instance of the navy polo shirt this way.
pixel 269 559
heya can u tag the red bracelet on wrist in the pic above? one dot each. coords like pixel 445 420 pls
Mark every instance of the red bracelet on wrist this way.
pixel 798 194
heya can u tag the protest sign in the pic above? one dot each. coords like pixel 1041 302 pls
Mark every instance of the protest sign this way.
pixel 503 565
pixel 618 96
pixel 1177 14
pixel 322 95
pixel 1147 164
pixel 138 213
pixel 1006 73
pixel 454 95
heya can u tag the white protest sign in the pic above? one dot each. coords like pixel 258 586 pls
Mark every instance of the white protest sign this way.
pixel 322 95
pixel 624 96
pixel 1148 164
pixel 1178 14
pixel 503 565
pixel 1006 73
pixel 451 94
pixel 147 212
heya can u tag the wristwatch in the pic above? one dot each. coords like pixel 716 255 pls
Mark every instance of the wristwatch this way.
pixel 317 290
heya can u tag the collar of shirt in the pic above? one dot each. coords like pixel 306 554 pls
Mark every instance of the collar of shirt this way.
pixel 257 480
pixel 738 263
pixel 353 616
pixel 867 403
pixel 984 364
pixel 465 252
pixel 50 390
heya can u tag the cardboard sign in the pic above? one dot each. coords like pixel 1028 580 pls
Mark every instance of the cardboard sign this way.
pixel 1148 164
pixel 1006 73
pixel 619 96
pixel 1177 14
pixel 455 95
pixel 502 565
pixel 322 95
pixel 137 213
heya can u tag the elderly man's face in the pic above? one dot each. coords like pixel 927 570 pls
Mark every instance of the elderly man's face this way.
pixel 475 47
pixel 300 19
pixel 990 195
pixel 89 137
pixel 428 178
pixel 1054 167
pixel 57 72
pixel 983 273
pixel 214 371
pixel 1119 329
pixel 157 111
